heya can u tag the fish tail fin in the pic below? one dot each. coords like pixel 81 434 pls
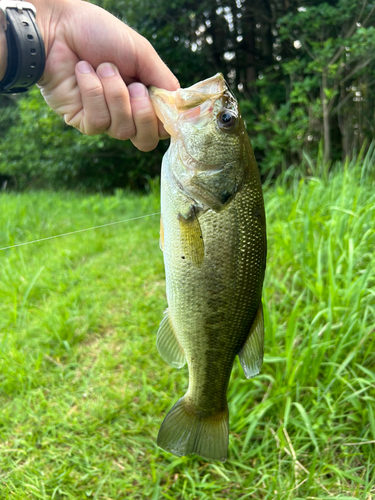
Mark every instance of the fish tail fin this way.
pixel 185 431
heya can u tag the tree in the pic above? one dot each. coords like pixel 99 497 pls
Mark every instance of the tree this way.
pixel 39 150
pixel 303 70
pixel 336 43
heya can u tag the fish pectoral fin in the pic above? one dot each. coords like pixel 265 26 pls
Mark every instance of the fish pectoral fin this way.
pixel 251 355
pixel 161 239
pixel 191 238
pixel 168 346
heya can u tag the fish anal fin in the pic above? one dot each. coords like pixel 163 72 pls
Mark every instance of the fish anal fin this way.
pixel 251 355
pixel 161 240
pixel 168 346
pixel 191 237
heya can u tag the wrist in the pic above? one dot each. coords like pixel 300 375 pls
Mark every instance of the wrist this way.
pixel 22 53
pixel 48 15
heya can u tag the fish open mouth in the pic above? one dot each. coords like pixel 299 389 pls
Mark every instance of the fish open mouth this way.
pixel 189 104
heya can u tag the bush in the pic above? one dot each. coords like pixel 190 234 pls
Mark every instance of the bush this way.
pixel 40 150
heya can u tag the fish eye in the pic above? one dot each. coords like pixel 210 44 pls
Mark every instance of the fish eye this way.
pixel 227 119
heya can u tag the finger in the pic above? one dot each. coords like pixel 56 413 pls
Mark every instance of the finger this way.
pixel 163 134
pixel 146 124
pixel 118 102
pixel 94 117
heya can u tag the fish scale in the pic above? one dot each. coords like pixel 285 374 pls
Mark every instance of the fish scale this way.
pixel 215 255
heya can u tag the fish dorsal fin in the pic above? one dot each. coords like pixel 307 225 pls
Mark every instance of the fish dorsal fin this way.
pixel 168 346
pixel 251 355
pixel 191 237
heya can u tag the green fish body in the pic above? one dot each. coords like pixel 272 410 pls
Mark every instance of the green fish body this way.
pixel 213 235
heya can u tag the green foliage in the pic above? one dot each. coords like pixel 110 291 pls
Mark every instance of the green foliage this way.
pixel 304 71
pixel 39 150
pixel 83 390
pixel 337 42
pixel 9 115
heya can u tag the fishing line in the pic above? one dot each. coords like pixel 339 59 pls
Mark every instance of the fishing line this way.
pixel 79 231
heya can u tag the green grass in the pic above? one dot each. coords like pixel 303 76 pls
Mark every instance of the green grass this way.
pixel 83 390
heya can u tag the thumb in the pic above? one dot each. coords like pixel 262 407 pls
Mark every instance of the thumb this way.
pixel 151 70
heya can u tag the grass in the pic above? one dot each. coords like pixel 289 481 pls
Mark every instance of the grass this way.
pixel 83 390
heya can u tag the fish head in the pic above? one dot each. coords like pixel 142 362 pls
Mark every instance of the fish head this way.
pixel 204 119
pixel 207 137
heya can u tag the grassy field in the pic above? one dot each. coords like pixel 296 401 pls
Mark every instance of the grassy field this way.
pixel 83 390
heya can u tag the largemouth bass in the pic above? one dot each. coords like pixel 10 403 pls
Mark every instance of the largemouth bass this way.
pixel 213 235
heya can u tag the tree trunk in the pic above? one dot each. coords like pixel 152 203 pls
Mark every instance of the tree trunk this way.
pixel 326 129
pixel 344 121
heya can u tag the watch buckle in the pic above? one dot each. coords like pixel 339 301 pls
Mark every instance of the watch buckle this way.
pixel 9 4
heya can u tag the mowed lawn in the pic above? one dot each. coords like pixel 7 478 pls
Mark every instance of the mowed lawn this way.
pixel 83 390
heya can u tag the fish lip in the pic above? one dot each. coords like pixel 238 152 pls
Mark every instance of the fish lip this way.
pixel 170 105
pixel 212 88
pixel 163 103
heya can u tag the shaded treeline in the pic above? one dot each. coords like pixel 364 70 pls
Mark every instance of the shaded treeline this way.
pixel 304 71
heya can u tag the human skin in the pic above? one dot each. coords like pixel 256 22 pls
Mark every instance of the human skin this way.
pixel 97 72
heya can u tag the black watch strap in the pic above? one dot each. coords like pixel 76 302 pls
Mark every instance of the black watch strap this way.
pixel 26 54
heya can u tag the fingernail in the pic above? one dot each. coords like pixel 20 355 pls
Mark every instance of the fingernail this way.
pixel 137 90
pixel 106 70
pixel 84 67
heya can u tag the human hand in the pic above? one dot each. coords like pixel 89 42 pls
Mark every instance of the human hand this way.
pixel 97 70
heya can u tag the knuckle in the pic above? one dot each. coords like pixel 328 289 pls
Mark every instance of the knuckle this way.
pixel 94 92
pixel 97 125
pixel 72 121
pixel 89 131
pixel 146 145
pixel 88 124
pixel 148 148
pixel 117 95
pixel 145 117
pixel 123 133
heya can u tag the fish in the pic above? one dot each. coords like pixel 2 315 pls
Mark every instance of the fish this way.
pixel 213 237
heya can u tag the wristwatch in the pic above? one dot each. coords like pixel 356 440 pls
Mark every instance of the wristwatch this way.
pixel 26 53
